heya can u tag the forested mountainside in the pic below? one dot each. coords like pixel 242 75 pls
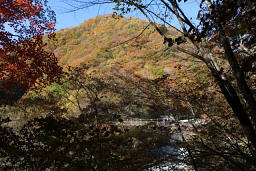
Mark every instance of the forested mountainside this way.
pixel 128 43
pixel 124 65
pixel 131 49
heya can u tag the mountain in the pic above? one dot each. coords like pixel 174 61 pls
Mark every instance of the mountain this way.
pixel 136 73
pixel 129 43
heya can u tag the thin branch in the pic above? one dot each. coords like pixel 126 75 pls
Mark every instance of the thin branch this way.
pixel 136 37
pixel 163 20
pixel 191 53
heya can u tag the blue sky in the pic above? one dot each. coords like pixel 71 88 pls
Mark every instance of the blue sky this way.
pixel 67 19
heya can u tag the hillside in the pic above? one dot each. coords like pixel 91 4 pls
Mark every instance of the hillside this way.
pixel 134 74
pixel 129 43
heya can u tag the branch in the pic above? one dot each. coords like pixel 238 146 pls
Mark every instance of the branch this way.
pixel 163 20
pixel 191 53
pixel 132 37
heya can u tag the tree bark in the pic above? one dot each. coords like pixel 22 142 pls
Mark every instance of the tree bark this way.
pixel 231 96
pixel 240 78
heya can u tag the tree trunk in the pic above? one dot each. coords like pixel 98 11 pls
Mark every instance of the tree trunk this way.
pixel 240 78
pixel 237 107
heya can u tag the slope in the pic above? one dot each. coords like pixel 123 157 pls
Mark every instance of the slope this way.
pixel 129 43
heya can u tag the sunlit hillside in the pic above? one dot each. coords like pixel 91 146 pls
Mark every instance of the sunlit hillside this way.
pixel 127 43
pixel 135 73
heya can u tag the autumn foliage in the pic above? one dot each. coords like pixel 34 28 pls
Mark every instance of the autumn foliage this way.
pixel 23 58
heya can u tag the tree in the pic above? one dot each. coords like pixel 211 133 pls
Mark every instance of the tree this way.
pixel 222 27
pixel 224 40
pixel 55 138
pixel 23 60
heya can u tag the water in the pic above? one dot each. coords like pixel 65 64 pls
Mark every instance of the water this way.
pixel 171 159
